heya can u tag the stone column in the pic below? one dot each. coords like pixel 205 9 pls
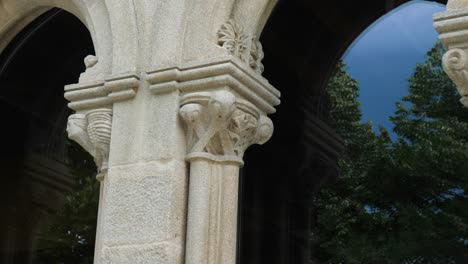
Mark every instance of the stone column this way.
pixel 219 129
pixel 452 26
pixel 224 103
pixel 167 108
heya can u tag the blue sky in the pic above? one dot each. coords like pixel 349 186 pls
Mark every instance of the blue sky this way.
pixel 384 57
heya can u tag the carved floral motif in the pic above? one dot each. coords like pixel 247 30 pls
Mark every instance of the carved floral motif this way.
pixel 244 46
pixel 232 37
pixel 256 56
pixel 93 132
pixel 222 128
pixel 455 63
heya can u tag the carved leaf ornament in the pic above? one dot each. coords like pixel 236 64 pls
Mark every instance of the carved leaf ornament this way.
pixel 232 38
pixel 244 46
pixel 220 127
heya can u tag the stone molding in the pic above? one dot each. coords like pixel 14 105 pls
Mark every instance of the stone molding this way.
pixel 92 124
pixel 222 73
pixel 221 127
pixel 92 95
pixel 452 27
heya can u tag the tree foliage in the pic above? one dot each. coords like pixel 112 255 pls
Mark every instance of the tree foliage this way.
pixel 401 201
pixel 70 238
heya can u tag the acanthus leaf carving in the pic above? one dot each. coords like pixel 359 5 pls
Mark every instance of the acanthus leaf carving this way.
pixel 231 36
pixel 222 127
pixel 246 47
pixel 93 132
pixel 455 63
pixel 256 56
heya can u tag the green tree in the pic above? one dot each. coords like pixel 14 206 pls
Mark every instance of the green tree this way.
pixel 71 235
pixel 432 153
pixel 403 201
pixel 341 206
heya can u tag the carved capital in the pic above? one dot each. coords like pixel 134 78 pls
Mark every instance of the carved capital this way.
pixel 93 132
pixel 221 127
pixel 452 27
pixel 455 62
pixel 238 43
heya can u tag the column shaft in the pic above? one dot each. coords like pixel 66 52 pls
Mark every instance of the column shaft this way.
pixel 212 215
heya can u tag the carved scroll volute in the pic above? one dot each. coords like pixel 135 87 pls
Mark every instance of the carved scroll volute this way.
pixel 93 132
pixel 455 63
pixel 221 127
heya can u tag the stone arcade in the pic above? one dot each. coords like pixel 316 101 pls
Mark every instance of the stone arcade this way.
pixel 174 97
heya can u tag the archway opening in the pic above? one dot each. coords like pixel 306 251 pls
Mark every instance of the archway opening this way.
pixel 303 41
pixel 402 188
pixel 48 192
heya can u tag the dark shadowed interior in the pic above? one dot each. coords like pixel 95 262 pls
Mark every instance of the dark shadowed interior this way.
pixel 36 157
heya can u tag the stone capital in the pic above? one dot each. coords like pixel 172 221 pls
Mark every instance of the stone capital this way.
pixel 455 63
pixel 91 125
pixel 452 27
pixel 224 104
pixel 93 132
pixel 220 127
pixel 224 101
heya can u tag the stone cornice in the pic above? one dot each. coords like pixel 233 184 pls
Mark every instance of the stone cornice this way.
pixel 227 72
pixel 452 27
pixel 91 95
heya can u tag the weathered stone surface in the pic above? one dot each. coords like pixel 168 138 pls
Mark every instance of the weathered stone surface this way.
pixel 141 203
pixel 457 4
pixel 212 221
pixel 144 253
